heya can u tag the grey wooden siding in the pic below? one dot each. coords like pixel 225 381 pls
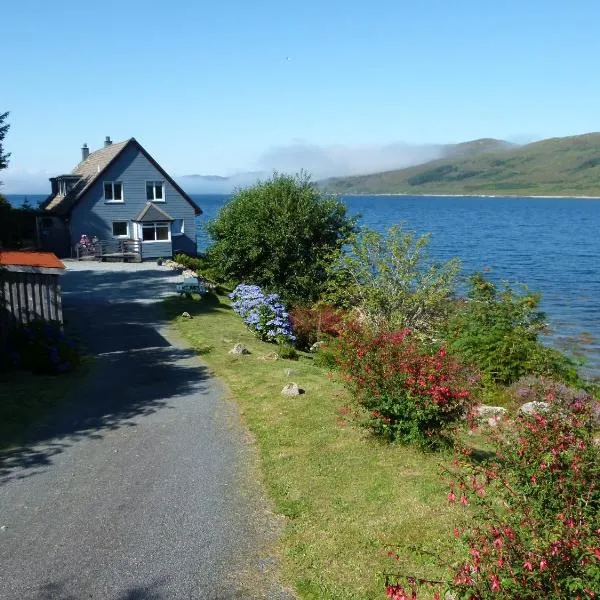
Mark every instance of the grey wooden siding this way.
pixel 93 216
pixel 26 297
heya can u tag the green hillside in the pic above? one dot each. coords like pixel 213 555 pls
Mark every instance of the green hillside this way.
pixel 567 166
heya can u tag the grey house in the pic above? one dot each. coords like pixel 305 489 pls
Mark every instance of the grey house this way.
pixel 117 193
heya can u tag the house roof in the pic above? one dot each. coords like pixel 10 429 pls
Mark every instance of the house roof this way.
pixel 21 258
pixel 151 213
pixel 92 168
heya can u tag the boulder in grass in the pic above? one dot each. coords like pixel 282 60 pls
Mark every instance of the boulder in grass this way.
pixel 491 415
pixel 239 349
pixel 269 356
pixel 316 346
pixel 291 389
pixel 535 407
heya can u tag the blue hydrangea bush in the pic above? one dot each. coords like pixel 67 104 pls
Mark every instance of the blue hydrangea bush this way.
pixel 263 313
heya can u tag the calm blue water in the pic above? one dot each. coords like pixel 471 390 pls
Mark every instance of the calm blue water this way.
pixel 552 245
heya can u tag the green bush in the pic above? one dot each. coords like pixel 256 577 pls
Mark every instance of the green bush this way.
pixel 388 278
pixel 280 235
pixel 200 264
pixel 498 331
pixel 288 352
pixel 43 348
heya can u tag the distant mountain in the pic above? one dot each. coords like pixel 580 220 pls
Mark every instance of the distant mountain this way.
pixel 216 184
pixel 568 166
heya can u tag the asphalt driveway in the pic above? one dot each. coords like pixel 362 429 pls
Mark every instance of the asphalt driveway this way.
pixel 146 487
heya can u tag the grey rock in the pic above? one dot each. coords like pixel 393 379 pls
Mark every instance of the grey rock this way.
pixel 531 408
pixel 490 414
pixel 269 356
pixel 290 389
pixel 239 349
pixel 186 315
pixel 316 346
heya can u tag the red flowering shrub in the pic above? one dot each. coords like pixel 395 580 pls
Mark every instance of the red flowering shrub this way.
pixel 414 395
pixel 311 324
pixel 536 512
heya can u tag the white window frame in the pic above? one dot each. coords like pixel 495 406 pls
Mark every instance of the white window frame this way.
pixel 164 190
pixel 121 237
pixel 154 225
pixel 112 184
pixel 180 231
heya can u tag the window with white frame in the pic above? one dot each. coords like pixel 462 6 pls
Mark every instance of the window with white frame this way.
pixel 178 227
pixel 120 229
pixel 156 232
pixel 113 191
pixel 155 191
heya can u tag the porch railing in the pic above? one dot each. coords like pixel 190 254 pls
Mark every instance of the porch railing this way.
pixel 126 249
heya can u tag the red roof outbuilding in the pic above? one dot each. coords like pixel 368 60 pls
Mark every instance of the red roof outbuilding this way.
pixel 22 258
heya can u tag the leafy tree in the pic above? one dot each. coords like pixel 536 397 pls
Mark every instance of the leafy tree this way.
pixel 280 234
pixel 4 156
pixel 388 278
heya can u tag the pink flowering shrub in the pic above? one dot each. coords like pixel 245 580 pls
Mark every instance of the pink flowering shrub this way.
pixel 535 513
pixel 414 394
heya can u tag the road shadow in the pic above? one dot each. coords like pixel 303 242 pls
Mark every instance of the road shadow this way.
pixel 59 591
pixel 135 371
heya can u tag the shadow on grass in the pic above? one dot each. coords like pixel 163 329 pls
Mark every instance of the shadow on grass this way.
pixel 135 372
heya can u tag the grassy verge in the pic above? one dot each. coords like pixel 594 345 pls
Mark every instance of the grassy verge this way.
pixel 344 494
pixel 26 399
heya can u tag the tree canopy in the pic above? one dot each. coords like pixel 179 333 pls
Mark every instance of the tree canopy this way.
pixel 280 234
pixel 4 156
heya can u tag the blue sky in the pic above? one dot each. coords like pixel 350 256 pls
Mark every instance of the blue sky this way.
pixel 217 87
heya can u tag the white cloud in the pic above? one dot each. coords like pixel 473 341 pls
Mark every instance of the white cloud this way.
pixel 338 160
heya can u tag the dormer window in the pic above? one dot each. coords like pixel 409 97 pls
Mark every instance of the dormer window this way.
pixel 113 191
pixel 65 183
pixel 155 191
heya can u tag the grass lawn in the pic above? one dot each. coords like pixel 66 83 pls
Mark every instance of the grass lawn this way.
pixel 344 493
pixel 26 399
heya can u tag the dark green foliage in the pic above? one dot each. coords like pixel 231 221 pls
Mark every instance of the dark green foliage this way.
pixel 280 234
pixel 199 264
pixel 498 332
pixel 287 352
pixel 17 226
pixel 43 348
pixel 569 166
pixel 4 156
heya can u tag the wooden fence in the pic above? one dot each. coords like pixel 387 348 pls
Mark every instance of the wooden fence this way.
pixel 26 297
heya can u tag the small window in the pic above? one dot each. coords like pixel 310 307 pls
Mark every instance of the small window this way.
pixel 120 229
pixel 178 227
pixel 156 232
pixel 155 191
pixel 113 191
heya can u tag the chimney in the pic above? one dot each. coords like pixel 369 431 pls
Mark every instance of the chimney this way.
pixel 85 152
pixel 107 142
